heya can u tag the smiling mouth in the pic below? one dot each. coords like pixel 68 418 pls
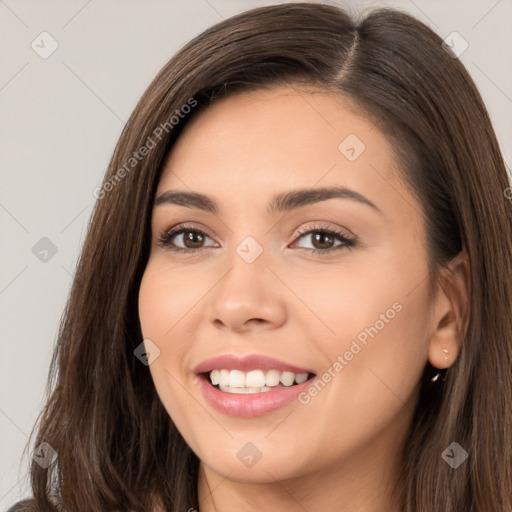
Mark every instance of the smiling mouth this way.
pixel 254 381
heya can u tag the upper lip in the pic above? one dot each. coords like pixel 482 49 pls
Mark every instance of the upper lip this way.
pixel 247 363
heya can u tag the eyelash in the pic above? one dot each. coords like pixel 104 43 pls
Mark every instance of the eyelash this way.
pixel 164 240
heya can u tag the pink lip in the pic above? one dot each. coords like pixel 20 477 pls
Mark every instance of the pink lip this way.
pixel 247 363
pixel 249 405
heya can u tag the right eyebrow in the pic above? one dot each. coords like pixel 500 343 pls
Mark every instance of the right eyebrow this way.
pixel 188 199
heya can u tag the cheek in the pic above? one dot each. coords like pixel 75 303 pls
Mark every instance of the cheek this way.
pixel 150 303
pixel 170 312
pixel 163 303
pixel 358 301
pixel 160 311
pixel 375 339
pixel 369 385
pixel 166 302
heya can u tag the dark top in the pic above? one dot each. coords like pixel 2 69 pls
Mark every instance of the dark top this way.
pixel 22 506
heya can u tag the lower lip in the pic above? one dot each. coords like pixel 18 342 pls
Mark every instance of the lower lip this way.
pixel 250 405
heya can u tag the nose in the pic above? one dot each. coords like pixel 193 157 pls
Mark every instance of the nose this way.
pixel 248 297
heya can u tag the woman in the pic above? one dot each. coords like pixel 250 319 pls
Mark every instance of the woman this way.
pixel 295 289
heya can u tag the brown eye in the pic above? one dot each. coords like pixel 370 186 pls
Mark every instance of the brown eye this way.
pixel 192 239
pixel 183 239
pixel 324 240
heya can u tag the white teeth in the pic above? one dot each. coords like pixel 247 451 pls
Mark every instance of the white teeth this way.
pixel 301 377
pixel 237 379
pixel 245 391
pixel 287 378
pixel 254 381
pixel 214 376
pixel 272 377
pixel 223 377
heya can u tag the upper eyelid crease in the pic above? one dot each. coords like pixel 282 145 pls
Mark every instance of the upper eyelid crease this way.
pixel 348 240
pixel 280 203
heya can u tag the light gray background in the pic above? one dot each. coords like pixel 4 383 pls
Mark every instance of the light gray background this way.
pixel 60 119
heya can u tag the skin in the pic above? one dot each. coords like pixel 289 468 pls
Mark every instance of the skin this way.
pixel 341 450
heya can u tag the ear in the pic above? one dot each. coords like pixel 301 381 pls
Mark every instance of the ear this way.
pixel 450 312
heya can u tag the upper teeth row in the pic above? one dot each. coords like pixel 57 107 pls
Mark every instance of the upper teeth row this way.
pixel 255 378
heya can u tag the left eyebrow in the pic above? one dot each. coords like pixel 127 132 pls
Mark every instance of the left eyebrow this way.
pixel 297 198
pixel 280 203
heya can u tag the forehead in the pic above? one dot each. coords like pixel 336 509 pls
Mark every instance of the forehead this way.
pixel 257 143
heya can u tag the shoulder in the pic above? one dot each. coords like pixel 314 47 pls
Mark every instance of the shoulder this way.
pixel 26 505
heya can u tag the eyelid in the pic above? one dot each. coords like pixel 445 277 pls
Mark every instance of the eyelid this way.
pixel 348 239
pixel 326 226
pixel 178 229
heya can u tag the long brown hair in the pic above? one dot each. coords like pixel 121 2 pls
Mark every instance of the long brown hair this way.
pixel 117 447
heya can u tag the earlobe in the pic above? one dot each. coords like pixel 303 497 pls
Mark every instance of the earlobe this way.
pixel 450 313
pixel 444 344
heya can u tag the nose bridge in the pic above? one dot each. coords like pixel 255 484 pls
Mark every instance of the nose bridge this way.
pixel 245 291
pixel 246 280
pixel 250 250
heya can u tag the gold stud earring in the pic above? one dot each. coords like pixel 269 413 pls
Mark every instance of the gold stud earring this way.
pixel 445 353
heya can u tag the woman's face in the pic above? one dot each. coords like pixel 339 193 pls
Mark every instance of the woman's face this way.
pixel 322 282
